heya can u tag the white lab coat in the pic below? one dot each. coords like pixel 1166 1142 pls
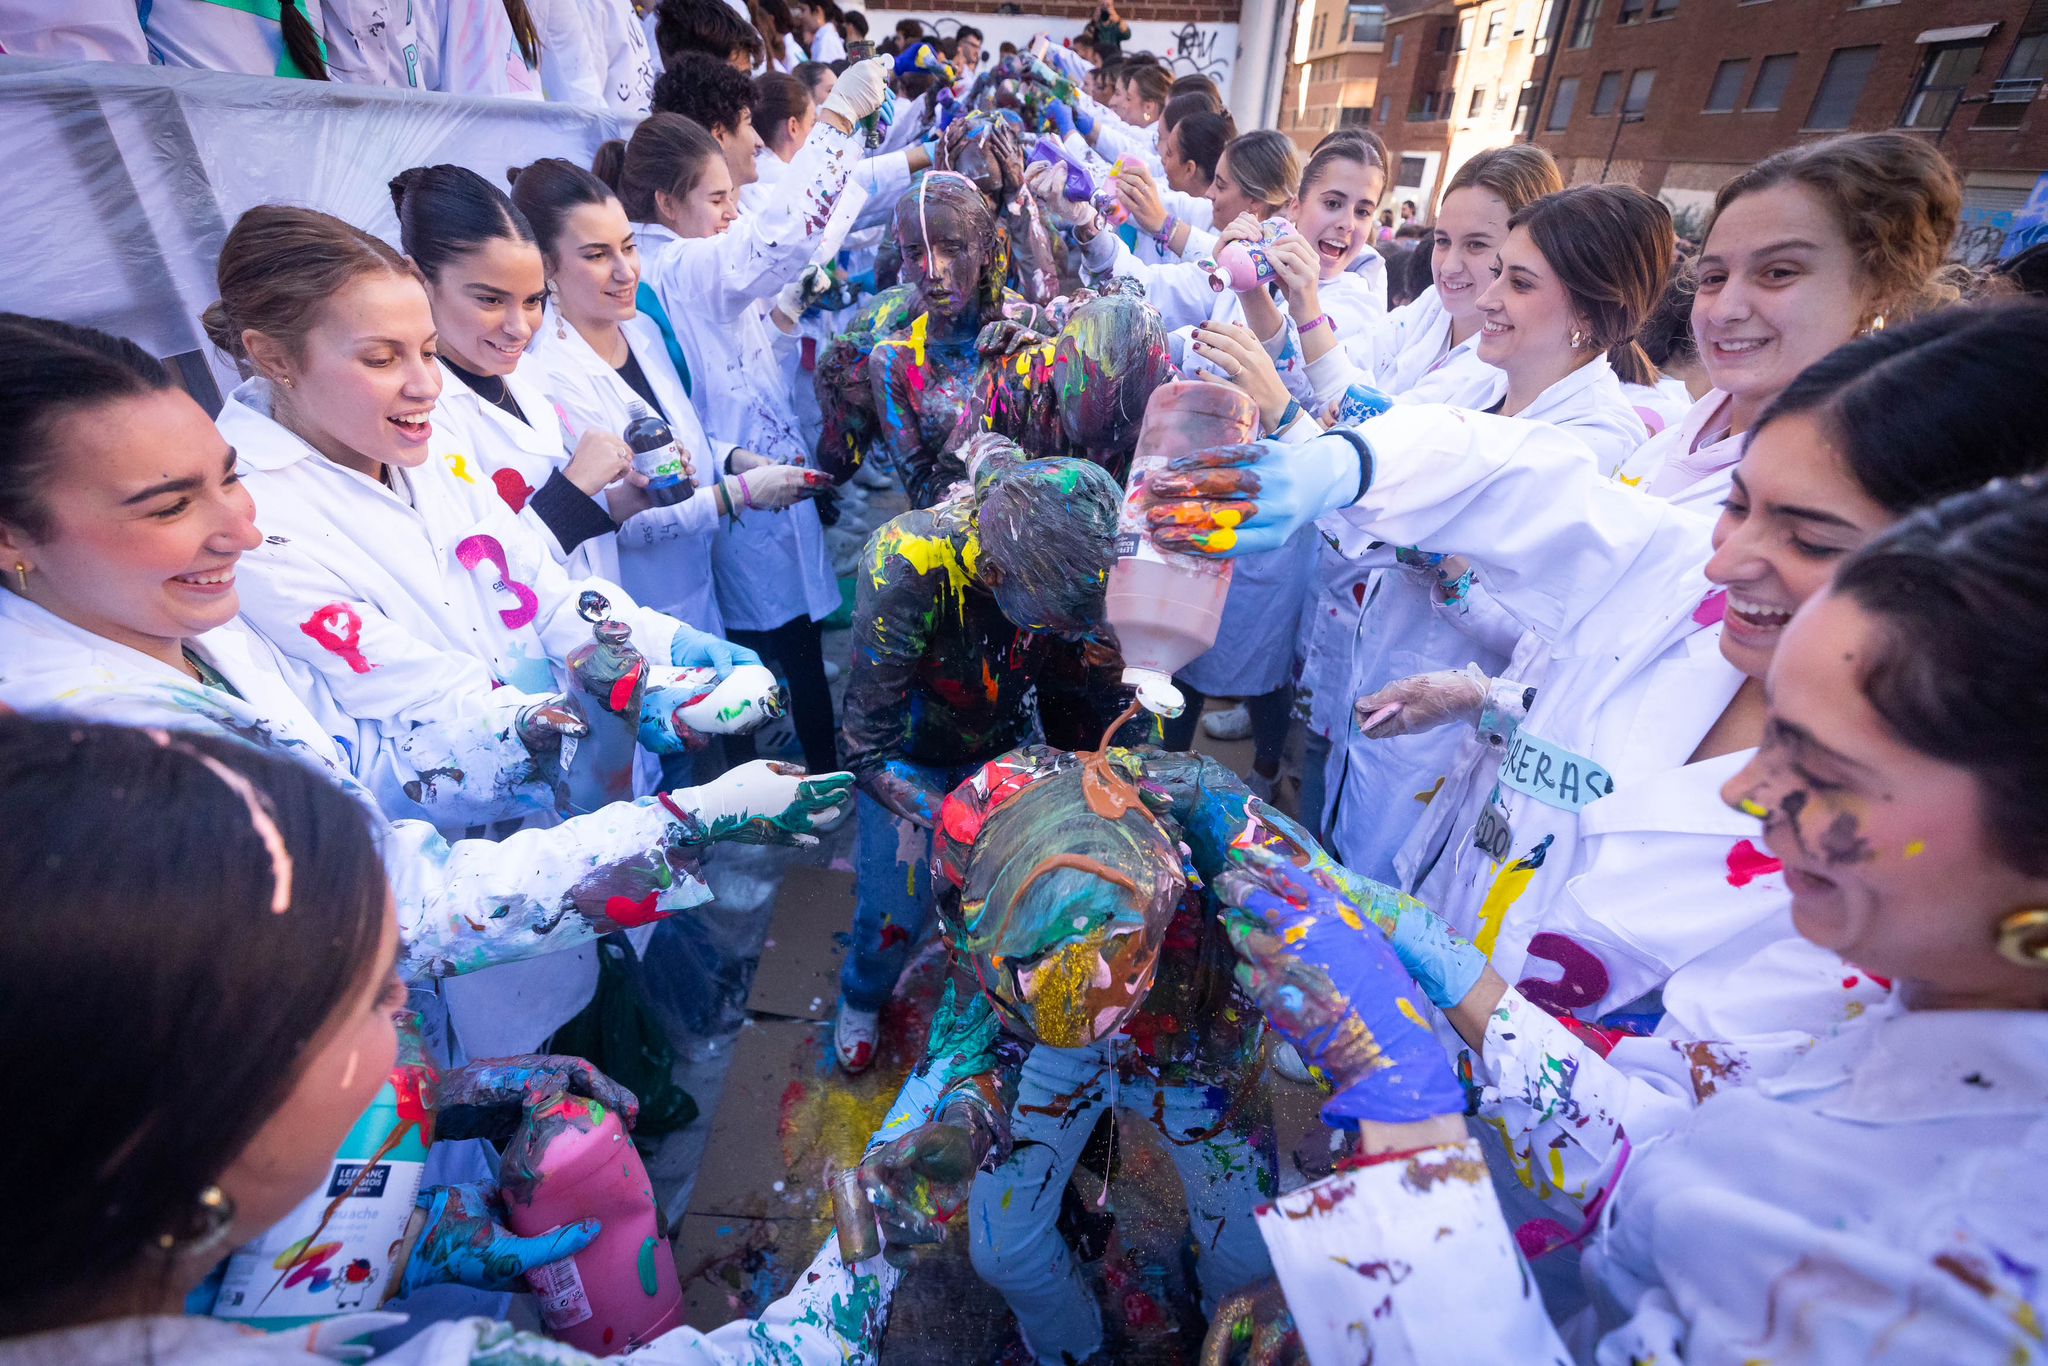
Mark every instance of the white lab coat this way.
pixel 827 45
pixel 1691 462
pixel 461 906
pixel 468 48
pixel 772 567
pixel 369 588
pixel 217 37
pixel 627 65
pixel 80 31
pixel 1865 1202
pixel 373 42
pixel 1377 788
pixel 1660 405
pixel 663 555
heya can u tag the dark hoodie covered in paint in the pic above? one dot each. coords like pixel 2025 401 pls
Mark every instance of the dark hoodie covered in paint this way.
pixel 944 665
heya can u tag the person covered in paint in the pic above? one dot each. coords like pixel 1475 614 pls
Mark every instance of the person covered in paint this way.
pixel 226 1081
pixel 1593 864
pixel 988 148
pixel 1863 1199
pixel 1075 886
pixel 922 376
pixel 122 527
pixel 963 613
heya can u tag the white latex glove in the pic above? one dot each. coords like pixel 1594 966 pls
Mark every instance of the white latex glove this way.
pixel 861 90
pixel 1420 702
pixel 775 487
pixel 1048 182
pixel 764 802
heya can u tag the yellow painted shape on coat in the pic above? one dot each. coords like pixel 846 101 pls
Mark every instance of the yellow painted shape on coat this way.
pixel 458 465
pixel 1408 1009
pixel 1508 885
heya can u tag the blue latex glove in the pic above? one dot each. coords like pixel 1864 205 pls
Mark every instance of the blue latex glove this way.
pixel 1240 500
pixel 1084 122
pixel 924 58
pixel 695 649
pixel 1330 982
pixel 1061 117
pixel 1357 403
pixel 464 1244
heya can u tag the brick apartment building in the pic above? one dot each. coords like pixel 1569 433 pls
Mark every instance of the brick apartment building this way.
pixel 1677 95
pixel 1333 72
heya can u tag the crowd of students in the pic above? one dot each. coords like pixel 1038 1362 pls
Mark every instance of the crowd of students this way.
pixel 1641 846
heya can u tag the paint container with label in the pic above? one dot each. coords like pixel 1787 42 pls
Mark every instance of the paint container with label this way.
pixel 314 1264
pixel 743 701
pixel 1166 606
pixel 570 1159
pixel 607 678
pixel 657 456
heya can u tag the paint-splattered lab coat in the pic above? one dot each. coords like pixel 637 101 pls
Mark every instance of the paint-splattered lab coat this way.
pixel 461 906
pixel 1875 1200
pixel 437 607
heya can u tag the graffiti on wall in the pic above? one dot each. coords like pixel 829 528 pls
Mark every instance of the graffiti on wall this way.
pixel 1203 50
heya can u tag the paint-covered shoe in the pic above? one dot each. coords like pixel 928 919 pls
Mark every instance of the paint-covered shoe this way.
pixel 873 476
pixel 1232 723
pixel 853 1037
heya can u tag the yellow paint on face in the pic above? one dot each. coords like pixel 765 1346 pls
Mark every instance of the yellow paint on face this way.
pixel 1058 994
pixel 1750 806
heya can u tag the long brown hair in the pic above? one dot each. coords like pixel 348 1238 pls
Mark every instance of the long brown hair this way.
pixel 1518 175
pixel 280 266
pixel 667 154
pixel 1611 247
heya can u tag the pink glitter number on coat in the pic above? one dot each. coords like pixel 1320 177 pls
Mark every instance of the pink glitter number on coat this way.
pixel 338 630
pixel 474 550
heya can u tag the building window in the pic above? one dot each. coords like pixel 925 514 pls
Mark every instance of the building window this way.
pixel 1870 4
pixel 1639 92
pixel 1493 26
pixel 1630 11
pixel 1841 87
pixel 1315 33
pixel 1476 106
pixel 1394 52
pixel 1561 104
pixel 1944 73
pixel 1582 31
pixel 1444 34
pixel 1727 87
pixel 2020 82
pixel 1411 171
pixel 1367 23
pixel 1540 44
pixel 1663 9
pixel 1523 101
pixel 1607 94
pixel 1354 116
pixel 1521 20
pixel 1386 108
pixel 1464 33
pixel 1772 76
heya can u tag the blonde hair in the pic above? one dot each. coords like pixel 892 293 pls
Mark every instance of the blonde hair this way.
pixel 1266 165
pixel 1518 174
pixel 280 266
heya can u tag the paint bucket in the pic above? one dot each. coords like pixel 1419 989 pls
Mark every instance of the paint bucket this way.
pixel 570 1159
pixel 1166 606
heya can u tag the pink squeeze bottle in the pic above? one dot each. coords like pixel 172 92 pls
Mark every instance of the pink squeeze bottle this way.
pixel 1166 606
pixel 570 1159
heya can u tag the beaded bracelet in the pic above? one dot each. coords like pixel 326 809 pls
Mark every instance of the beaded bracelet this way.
pixel 1318 321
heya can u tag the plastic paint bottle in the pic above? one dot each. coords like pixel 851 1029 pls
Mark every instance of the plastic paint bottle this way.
pixel 301 1271
pixel 570 1159
pixel 657 456
pixel 1166 606
pixel 744 700
pixel 607 678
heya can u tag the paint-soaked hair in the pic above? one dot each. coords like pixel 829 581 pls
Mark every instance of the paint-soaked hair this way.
pixel 1960 594
pixel 1360 146
pixel 667 154
pixel 941 189
pixel 704 89
pixel 707 26
pixel 282 265
pixel 1610 246
pixel 1266 166
pixel 1049 526
pixel 1933 407
pixel 1202 137
pixel 1893 196
pixel 1518 174
pixel 776 100
pixel 551 189
pixel 55 369
pixel 446 212
pixel 141 913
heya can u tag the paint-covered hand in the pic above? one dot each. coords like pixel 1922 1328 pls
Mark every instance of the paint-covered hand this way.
pixel 906 792
pixel 1005 337
pixel 1330 982
pixel 463 1243
pixel 1238 500
pixel 1357 403
pixel 779 487
pixel 1423 702
pixel 764 802
pixel 695 649
pixel 487 1098
pixel 683 708
pixel 1048 182
pixel 1253 1327
pixel 1059 117
pixel 542 725
pixel 1139 194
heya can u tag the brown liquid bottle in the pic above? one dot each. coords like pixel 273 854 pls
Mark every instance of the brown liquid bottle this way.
pixel 1166 606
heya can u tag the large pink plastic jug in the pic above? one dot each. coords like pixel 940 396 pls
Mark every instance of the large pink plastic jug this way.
pixel 1166 606
pixel 570 1159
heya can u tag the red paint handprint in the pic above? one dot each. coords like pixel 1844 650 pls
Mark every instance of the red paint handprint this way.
pixel 338 630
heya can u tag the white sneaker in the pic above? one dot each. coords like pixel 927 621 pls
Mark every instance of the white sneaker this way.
pixel 832 671
pixel 1287 1062
pixel 873 476
pixel 1232 723
pixel 853 1037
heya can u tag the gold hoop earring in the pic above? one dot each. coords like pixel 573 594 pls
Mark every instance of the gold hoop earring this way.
pixel 21 576
pixel 2023 937
pixel 285 380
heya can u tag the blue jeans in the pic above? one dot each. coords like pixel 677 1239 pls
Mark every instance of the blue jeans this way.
pixel 1015 1244
pixel 892 872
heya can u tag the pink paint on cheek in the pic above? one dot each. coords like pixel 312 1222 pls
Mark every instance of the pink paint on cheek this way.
pixel 1712 608
pixel 339 630
pixel 475 550
pixel 1747 863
